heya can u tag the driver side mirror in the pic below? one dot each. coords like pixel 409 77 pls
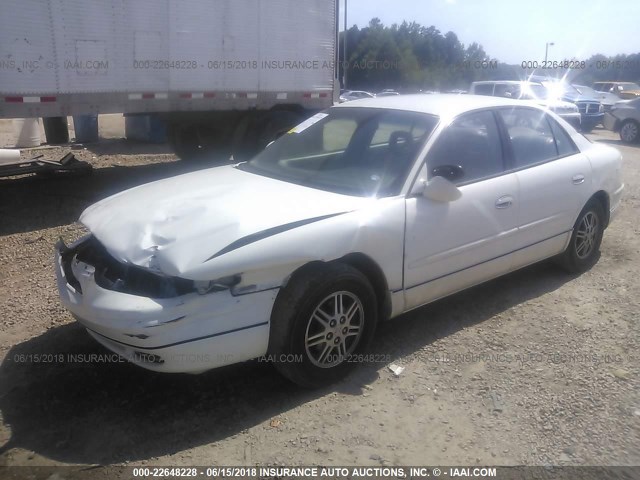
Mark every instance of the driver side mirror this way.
pixel 441 190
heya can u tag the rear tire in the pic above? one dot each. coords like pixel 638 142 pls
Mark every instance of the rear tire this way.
pixel 322 321
pixel 584 247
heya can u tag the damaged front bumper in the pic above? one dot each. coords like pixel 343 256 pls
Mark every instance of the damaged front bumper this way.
pixel 186 332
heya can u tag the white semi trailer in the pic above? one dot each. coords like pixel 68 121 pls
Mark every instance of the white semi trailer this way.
pixel 226 76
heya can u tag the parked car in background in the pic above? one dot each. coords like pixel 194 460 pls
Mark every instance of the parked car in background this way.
pixel 387 92
pixel 365 211
pixel 533 91
pixel 624 90
pixel 590 108
pixel 624 118
pixel 607 100
pixel 348 95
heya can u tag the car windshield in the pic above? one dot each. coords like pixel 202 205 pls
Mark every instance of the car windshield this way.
pixel 629 86
pixel 354 151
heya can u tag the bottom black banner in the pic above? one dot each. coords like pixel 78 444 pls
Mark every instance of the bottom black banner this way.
pixel 144 472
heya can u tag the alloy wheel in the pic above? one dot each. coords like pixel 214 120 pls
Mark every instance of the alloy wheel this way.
pixel 586 235
pixel 334 329
pixel 629 132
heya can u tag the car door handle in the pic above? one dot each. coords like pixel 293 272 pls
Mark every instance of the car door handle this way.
pixel 577 179
pixel 504 202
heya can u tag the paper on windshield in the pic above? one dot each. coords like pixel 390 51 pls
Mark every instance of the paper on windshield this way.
pixel 307 123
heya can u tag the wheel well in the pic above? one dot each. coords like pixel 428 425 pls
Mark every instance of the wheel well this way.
pixel 375 275
pixel 369 269
pixel 602 197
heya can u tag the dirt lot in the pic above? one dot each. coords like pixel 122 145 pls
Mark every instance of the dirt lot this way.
pixel 535 368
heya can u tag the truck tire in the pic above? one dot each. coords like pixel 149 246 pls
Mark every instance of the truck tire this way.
pixel 183 142
pixel 245 137
pixel 199 142
pixel 278 123
pixel 255 132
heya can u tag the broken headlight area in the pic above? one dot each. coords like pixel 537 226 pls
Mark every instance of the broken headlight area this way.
pixel 75 234
pixel 225 283
pixel 111 274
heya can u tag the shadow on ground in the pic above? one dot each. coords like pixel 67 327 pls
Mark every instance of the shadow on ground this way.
pixel 616 143
pixel 34 203
pixel 102 413
pixel 125 147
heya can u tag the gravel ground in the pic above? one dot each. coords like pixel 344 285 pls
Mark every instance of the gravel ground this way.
pixel 534 368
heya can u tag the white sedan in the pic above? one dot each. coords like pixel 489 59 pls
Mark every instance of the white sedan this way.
pixel 357 215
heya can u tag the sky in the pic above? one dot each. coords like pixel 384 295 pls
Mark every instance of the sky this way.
pixel 514 31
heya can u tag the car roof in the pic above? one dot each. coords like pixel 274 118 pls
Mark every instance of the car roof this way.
pixel 507 82
pixel 614 81
pixel 440 104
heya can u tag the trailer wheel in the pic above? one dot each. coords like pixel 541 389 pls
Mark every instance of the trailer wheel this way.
pixel 245 137
pixel 199 142
pixel 255 132
pixel 278 123
pixel 184 142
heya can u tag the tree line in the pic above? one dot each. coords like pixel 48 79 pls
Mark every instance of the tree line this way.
pixel 412 57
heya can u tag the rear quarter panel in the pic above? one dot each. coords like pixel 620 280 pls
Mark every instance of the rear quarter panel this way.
pixel 606 166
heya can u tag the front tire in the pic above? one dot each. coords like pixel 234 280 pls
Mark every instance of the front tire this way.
pixel 630 131
pixel 584 246
pixel 322 321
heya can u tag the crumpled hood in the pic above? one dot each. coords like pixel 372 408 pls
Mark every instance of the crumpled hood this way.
pixel 176 224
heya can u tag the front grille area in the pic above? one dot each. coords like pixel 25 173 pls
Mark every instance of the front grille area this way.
pixel 119 277
pixel 588 108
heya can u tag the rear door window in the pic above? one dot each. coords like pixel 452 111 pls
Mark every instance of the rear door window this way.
pixel 534 137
